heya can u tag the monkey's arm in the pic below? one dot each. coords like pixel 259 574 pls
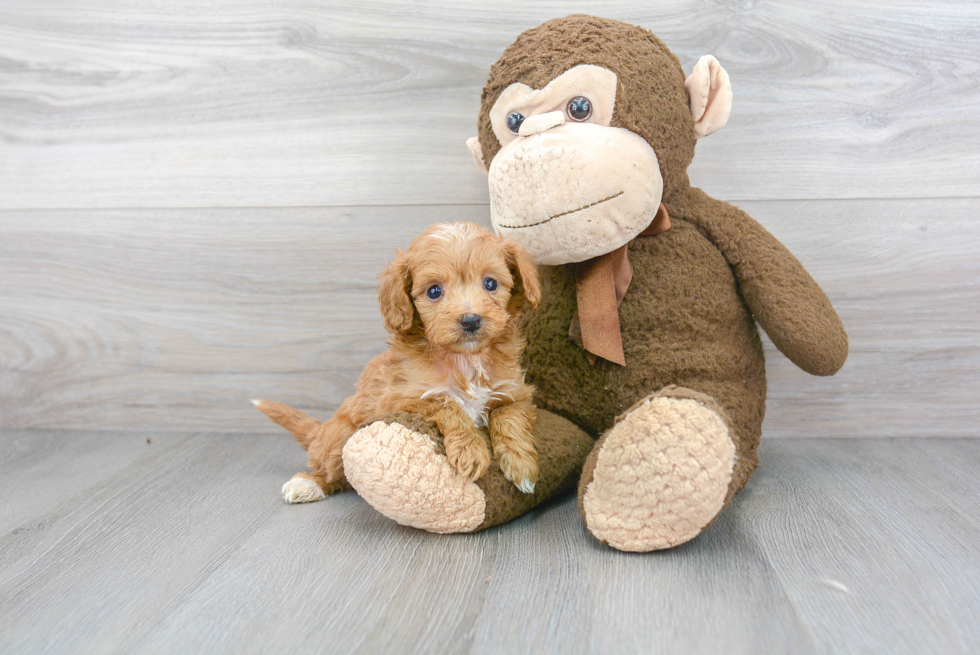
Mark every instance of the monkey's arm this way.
pixel 788 304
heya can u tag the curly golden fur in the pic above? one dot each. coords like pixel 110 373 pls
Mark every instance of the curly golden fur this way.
pixel 450 303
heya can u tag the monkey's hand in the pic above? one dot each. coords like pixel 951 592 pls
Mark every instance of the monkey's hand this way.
pixel 788 304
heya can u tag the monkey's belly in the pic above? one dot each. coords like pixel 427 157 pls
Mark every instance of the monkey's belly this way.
pixel 683 323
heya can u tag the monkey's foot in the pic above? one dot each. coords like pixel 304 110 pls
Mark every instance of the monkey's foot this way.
pixel 660 476
pixel 399 472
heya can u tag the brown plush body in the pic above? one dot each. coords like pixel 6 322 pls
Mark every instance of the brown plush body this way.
pixel 678 425
pixel 683 324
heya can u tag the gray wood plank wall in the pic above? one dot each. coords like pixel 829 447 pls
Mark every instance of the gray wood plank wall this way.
pixel 195 198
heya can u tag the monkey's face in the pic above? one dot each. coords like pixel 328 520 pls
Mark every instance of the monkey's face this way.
pixel 565 183
pixel 572 175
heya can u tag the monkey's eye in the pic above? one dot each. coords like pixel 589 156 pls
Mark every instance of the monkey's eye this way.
pixel 514 121
pixel 434 292
pixel 490 284
pixel 579 108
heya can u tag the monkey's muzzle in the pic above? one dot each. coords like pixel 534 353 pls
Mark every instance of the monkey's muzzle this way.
pixel 575 191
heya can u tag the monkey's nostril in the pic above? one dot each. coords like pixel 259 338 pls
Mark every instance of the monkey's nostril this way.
pixel 540 123
pixel 470 322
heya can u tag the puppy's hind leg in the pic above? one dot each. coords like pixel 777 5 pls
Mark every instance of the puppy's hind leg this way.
pixel 308 488
pixel 326 449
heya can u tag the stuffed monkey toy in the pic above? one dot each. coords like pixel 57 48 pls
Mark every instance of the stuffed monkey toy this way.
pixel 644 350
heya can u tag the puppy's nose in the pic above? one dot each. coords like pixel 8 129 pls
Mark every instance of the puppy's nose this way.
pixel 470 322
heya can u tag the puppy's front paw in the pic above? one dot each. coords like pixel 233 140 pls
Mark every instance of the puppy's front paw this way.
pixel 519 466
pixel 468 454
pixel 302 490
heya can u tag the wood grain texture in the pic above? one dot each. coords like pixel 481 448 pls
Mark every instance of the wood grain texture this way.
pixel 134 546
pixel 835 546
pixel 869 532
pixel 905 278
pixel 168 314
pixel 69 463
pixel 587 598
pixel 172 319
pixel 115 103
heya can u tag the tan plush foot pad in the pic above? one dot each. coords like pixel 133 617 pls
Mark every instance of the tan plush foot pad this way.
pixel 399 473
pixel 661 476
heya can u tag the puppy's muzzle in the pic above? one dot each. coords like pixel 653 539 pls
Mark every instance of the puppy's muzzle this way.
pixel 470 323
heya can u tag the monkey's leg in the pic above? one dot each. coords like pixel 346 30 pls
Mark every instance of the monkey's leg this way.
pixel 399 466
pixel 661 474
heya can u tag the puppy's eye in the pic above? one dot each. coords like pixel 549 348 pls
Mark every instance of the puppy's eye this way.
pixel 514 121
pixel 434 292
pixel 490 284
pixel 579 108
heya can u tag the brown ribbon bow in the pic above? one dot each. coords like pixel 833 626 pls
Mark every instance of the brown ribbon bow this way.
pixel 601 284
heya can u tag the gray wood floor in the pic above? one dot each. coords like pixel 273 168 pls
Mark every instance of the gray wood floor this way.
pixel 113 543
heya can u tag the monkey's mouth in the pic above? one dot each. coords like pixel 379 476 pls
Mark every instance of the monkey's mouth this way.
pixel 565 213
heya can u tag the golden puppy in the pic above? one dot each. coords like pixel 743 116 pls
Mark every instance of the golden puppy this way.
pixel 450 303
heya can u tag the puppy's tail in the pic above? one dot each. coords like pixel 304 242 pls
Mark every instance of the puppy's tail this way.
pixel 299 424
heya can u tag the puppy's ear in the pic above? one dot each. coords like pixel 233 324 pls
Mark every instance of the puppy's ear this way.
pixel 525 273
pixel 394 295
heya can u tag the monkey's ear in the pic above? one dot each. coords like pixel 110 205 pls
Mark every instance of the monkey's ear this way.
pixel 711 96
pixel 473 144
pixel 394 287
pixel 525 274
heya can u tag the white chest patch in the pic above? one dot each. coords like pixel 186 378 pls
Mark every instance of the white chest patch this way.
pixel 475 405
pixel 477 394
